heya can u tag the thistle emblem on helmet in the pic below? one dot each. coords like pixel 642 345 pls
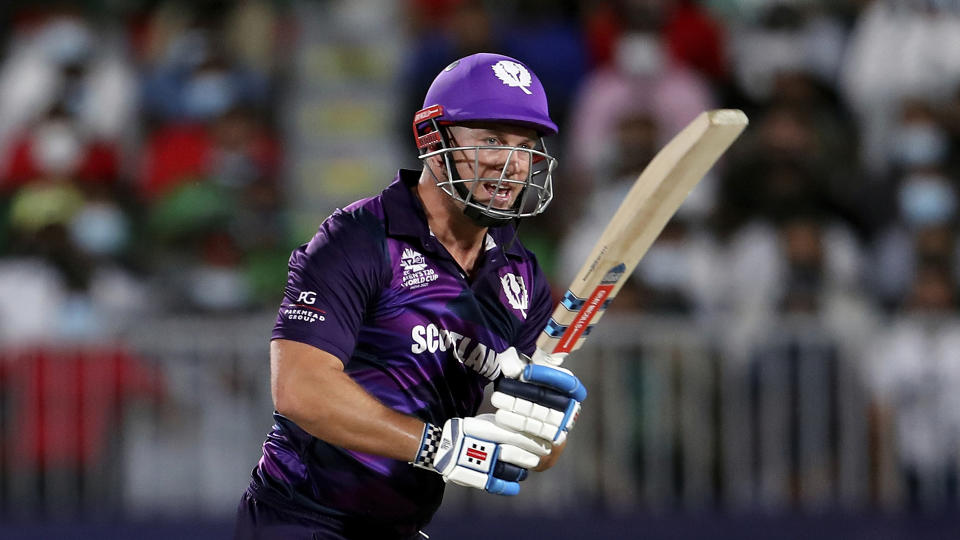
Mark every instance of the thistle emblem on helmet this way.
pixel 513 74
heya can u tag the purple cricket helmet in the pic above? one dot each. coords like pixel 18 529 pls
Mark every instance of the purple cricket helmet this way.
pixel 492 88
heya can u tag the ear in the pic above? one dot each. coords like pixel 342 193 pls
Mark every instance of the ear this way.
pixel 436 165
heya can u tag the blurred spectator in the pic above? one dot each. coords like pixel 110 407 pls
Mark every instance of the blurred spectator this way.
pixel 787 37
pixel 57 62
pixel 57 146
pixel 815 317
pixel 835 140
pixel 66 276
pixel 191 74
pixel 210 173
pixel 804 281
pixel 779 165
pixel 918 139
pixel 199 87
pixel 691 36
pixel 801 262
pixel 914 372
pixel 898 49
pixel 642 80
pixel 214 192
pixel 924 230
pixel 677 276
pixel 231 148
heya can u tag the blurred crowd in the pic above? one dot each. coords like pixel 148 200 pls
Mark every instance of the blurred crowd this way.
pixel 142 165
pixel 140 169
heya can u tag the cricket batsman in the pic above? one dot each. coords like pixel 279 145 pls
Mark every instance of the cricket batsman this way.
pixel 399 312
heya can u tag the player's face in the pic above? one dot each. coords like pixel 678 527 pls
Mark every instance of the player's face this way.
pixel 488 165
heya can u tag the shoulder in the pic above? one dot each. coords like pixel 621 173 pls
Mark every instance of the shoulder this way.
pixel 358 225
pixel 353 236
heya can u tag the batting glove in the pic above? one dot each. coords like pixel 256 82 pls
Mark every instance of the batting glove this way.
pixel 539 399
pixel 476 452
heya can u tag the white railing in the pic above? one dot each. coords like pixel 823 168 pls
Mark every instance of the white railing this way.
pixel 677 419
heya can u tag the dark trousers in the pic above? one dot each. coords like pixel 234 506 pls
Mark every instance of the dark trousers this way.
pixel 257 520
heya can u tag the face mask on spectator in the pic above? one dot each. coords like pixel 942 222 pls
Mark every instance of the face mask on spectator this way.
pixel 639 53
pixel 100 229
pixel 66 41
pixel 919 144
pixel 926 199
pixel 208 95
pixel 57 147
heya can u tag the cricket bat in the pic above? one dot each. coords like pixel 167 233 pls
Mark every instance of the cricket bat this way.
pixel 656 195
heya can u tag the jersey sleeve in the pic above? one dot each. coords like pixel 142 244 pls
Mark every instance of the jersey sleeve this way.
pixel 330 282
pixel 541 307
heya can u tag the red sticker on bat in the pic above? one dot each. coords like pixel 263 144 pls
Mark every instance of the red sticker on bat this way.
pixel 582 321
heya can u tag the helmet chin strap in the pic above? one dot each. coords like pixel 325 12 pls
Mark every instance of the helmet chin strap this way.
pixel 484 220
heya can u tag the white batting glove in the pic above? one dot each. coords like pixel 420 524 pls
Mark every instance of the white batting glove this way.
pixel 476 452
pixel 537 398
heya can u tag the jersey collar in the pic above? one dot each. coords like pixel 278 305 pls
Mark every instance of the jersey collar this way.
pixel 405 216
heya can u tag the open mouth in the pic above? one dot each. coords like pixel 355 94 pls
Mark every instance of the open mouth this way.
pixel 501 195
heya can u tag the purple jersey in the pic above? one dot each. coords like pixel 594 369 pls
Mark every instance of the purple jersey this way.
pixel 377 290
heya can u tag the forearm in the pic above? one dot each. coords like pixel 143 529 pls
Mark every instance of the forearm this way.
pixel 325 402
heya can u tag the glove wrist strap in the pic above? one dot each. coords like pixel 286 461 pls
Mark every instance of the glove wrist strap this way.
pixel 429 445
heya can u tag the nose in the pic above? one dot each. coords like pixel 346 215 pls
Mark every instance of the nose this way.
pixel 516 165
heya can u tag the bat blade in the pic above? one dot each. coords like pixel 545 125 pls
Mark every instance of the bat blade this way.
pixel 654 198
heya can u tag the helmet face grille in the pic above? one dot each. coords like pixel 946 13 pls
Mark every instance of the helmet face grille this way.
pixel 479 193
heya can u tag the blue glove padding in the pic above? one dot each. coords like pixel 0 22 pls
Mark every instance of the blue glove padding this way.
pixel 477 453
pixel 557 378
pixel 537 399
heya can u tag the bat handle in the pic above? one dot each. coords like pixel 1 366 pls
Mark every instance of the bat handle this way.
pixel 546 359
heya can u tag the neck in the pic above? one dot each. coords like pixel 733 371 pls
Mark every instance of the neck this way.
pixel 462 238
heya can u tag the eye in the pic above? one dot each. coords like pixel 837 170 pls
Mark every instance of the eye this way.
pixel 493 141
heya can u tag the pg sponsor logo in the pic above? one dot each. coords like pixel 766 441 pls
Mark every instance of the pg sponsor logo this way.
pixel 303 309
pixel 469 352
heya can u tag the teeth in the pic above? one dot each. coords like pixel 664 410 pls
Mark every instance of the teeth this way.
pixel 497 192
